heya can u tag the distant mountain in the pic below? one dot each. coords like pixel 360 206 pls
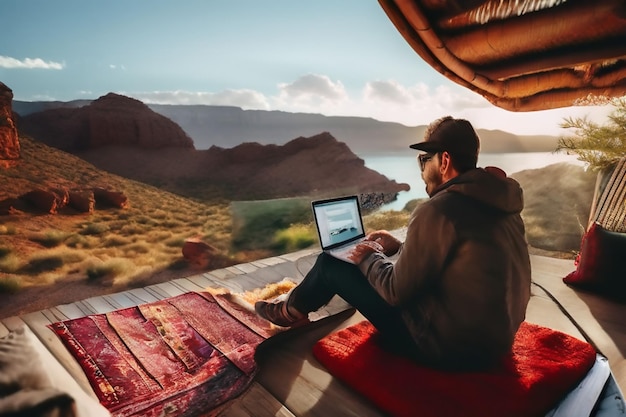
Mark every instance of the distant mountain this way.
pixel 123 136
pixel 230 126
pixel 110 120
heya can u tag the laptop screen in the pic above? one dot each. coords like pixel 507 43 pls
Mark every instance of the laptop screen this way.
pixel 338 221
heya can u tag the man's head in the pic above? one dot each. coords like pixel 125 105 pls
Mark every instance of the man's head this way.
pixel 451 147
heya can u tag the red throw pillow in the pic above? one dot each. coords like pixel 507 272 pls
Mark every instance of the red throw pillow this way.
pixel 601 263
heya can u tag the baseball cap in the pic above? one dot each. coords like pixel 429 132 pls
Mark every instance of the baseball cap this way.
pixel 455 136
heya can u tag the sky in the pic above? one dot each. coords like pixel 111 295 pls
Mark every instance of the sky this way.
pixel 331 57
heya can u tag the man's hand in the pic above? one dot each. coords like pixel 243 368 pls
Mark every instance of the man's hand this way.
pixel 363 250
pixel 390 244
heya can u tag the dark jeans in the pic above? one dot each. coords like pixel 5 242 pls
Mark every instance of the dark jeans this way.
pixel 330 276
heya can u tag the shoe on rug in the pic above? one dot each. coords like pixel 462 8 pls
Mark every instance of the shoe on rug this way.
pixel 278 313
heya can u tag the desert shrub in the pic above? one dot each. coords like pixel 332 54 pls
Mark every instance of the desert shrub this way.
pixel 50 238
pixel 9 263
pixel 158 235
pixel 43 263
pixel 159 215
pixel 94 228
pixel 9 285
pixel 115 241
pixel 172 223
pixel 133 228
pixel 296 237
pixel 175 241
pixel 109 268
pixel 137 248
pixel 80 242
pixel 7 229
pixel 49 261
pixel 4 251
pixel 386 220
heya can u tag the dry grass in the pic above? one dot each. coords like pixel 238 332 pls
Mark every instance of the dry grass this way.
pixel 112 246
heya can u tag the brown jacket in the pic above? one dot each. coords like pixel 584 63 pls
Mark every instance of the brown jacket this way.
pixel 462 276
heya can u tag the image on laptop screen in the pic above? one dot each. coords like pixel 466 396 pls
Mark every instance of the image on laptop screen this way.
pixel 338 221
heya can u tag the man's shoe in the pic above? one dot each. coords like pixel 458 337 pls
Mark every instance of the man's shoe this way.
pixel 278 313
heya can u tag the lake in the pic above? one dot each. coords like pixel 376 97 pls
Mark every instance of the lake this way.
pixel 406 169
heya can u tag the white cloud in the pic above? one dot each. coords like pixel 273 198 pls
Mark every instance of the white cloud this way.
pixel 383 100
pixel 312 88
pixel 29 63
pixel 244 98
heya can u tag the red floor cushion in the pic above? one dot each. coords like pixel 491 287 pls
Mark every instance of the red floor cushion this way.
pixel 544 365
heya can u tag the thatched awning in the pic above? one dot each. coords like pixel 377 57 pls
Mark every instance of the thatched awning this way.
pixel 521 55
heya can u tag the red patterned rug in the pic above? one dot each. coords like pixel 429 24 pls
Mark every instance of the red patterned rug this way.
pixel 188 355
pixel 545 364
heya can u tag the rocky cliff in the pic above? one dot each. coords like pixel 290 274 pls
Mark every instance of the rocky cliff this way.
pixel 108 121
pixel 9 142
pixel 317 165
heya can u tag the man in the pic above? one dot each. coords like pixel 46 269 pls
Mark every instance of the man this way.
pixel 456 290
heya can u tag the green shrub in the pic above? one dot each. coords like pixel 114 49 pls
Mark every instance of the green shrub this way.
pixel 49 261
pixel 115 241
pixel 296 237
pixel 9 263
pixel 43 263
pixel 9 285
pixel 4 251
pixel 386 220
pixel 51 238
pixel 110 268
pixel 7 229
pixel 256 222
pixel 94 228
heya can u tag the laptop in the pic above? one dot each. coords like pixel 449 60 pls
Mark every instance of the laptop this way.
pixel 339 225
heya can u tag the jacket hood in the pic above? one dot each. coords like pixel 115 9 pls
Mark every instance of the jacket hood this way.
pixel 490 186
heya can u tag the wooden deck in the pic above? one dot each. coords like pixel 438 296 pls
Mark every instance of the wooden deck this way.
pixel 290 381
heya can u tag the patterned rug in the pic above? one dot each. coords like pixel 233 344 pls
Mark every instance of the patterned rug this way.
pixel 544 366
pixel 188 355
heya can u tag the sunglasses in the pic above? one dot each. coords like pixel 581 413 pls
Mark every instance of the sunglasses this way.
pixel 423 158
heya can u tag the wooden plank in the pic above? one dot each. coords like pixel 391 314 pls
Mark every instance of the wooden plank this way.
pixel 100 305
pixel 246 268
pixel 186 285
pixel 268 261
pixel 122 299
pixel 293 376
pixel 165 290
pixel 220 274
pixel 73 311
pixel 141 295
pixel 257 402
pixel 294 256
pixel 201 281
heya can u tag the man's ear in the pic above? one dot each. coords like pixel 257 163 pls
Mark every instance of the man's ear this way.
pixel 445 165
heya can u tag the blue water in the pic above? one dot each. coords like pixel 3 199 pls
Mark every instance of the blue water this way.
pixel 406 169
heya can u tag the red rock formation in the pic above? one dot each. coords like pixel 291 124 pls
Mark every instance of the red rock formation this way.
pixel 9 206
pixel 42 200
pixel 110 198
pixel 82 201
pixel 198 253
pixel 111 120
pixel 9 141
pixel 62 196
